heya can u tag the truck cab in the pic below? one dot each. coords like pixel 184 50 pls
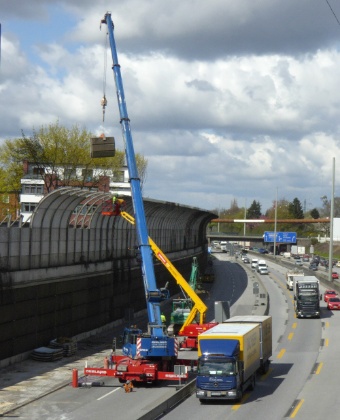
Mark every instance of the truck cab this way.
pixel 307 297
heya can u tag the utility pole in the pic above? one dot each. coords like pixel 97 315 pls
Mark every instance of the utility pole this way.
pixel 330 260
pixel 275 225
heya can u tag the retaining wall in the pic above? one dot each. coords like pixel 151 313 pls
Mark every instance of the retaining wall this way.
pixel 64 280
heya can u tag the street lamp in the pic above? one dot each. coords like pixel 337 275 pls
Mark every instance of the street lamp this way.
pixel 330 261
pixel 275 225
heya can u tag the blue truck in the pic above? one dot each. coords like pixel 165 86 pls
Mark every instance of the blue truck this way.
pixel 230 355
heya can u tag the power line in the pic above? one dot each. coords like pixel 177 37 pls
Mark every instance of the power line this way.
pixel 333 12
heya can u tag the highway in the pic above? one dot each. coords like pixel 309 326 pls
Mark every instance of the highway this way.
pixel 302 380
pixel 110 401
pixel 304 367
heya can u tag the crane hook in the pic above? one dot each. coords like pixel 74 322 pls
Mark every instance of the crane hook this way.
pixel 103 103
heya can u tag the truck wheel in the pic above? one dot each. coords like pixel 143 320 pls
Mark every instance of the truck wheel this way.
pixel 252 384
pixel 266 367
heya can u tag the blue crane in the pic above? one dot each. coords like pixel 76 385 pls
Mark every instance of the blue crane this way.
pixel 155 343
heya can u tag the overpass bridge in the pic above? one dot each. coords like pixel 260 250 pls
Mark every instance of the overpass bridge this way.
pixel 258 239
pixel 255 241
pixel 273 221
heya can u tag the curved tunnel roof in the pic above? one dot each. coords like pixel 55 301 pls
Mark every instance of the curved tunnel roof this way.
pixel 56 209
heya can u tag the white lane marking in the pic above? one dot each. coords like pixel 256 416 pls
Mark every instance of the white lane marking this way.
pixel 109 393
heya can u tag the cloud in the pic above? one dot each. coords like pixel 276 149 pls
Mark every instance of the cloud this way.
pixel 226 99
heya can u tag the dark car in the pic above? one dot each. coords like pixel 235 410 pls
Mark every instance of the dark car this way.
pixel 246 260
pixel 263 251
pixel 313 267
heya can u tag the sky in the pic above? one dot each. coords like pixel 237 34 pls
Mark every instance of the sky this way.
pixel 228 100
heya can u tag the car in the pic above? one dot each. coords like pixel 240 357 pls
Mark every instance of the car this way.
pixel 246 260
pixel 329 294
pixel 338 264
pixel 263 251
pixel 333 303
pixel 313 267
pixel 298 262
pixel 335 275
pixel 263 270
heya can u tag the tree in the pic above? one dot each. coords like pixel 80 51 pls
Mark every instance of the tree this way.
pixel 295 208
pixel 254 211
pixel 327 206
pixel 234 208
pixel 57 152
pixel 315 213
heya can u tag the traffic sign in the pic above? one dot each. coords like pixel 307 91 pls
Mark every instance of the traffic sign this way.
pixel 281 237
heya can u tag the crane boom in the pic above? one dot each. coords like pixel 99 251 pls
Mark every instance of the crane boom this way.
pixel 153 295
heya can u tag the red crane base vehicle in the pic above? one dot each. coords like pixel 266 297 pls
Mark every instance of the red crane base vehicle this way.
pixel 145 371
pixel 191 333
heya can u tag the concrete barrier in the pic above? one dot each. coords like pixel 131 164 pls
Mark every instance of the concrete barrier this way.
pixel 167 404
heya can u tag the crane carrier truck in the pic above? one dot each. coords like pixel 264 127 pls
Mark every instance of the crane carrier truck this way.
pixel 230 355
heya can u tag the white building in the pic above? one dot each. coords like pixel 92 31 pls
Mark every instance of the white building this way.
pixel 38 181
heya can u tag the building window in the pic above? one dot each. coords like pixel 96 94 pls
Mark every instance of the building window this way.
pixel 5 198
pixel 38 171
pixel 87 174
pixel 118 176
pixel 69 173
pixel 28 207
pixel 33 189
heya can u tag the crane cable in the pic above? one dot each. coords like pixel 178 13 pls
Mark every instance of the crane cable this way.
pixel 103 101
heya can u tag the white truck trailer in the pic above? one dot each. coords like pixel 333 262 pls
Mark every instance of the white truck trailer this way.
pixel 290 277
